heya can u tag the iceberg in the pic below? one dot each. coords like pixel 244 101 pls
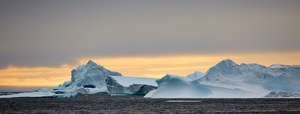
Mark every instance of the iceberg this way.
pixel 230 80
pixel 92 78
pixel 87 79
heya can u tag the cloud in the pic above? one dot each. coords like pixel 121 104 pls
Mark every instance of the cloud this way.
pixel 52 33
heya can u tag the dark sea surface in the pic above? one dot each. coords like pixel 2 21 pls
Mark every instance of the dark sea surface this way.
pixel 136 104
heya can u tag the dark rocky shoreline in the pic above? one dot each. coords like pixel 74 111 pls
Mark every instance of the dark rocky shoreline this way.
pixel 136 104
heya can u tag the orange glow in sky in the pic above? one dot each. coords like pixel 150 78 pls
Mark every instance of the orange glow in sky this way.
pixel 139 66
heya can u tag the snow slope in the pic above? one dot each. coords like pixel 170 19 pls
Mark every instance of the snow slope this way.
pixel 194 76
pixel 235 90
pixel 172 86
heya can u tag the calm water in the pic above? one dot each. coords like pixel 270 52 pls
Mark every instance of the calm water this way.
pixel 123 104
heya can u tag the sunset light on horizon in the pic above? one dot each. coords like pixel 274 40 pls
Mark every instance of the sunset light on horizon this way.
pixel 42 41
pixel 138 66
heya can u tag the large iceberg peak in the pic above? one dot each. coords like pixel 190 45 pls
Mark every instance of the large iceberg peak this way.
pixel 92 67
pixel 172 86
pixel 91 63
pixel 91 74
pixel 226 66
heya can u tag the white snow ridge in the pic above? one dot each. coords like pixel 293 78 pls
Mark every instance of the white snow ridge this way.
pixel 224 80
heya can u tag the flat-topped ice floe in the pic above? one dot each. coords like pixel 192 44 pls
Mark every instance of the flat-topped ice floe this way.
pixel 29 94
pixel 127 81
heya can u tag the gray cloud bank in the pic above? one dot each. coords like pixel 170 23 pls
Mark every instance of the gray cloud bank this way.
pixel 52 32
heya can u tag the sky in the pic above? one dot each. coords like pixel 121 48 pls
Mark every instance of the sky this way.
pixel 42 40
